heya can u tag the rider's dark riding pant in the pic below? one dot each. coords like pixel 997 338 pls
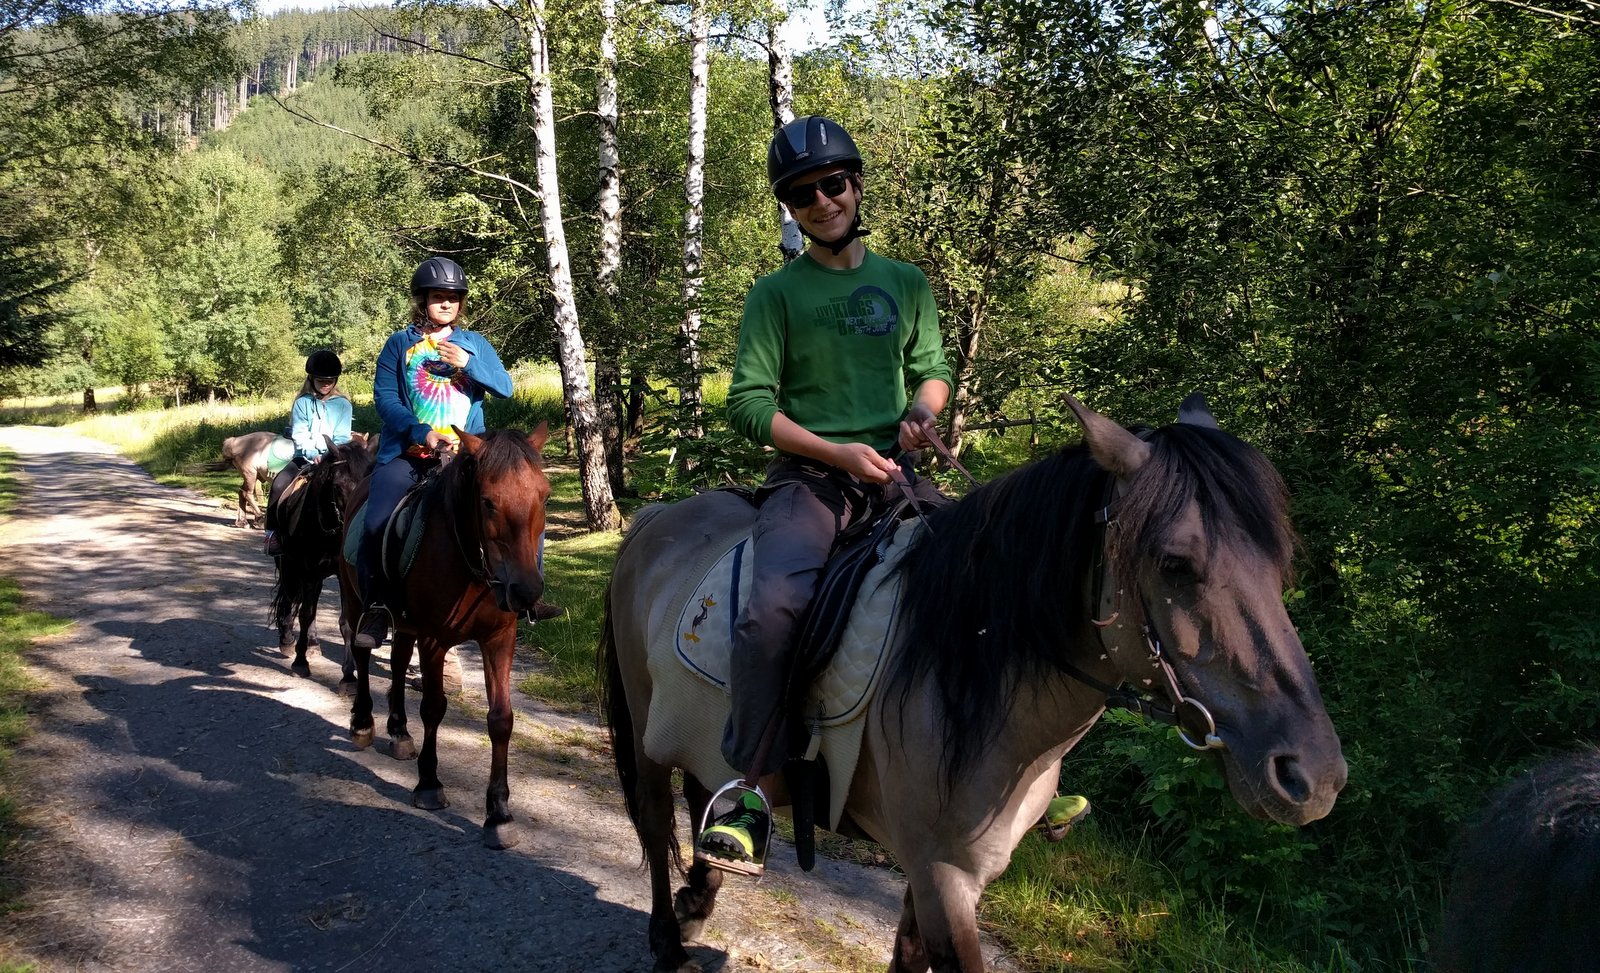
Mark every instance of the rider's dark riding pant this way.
pixel 804 504
pixel 281 483
pixel 389 483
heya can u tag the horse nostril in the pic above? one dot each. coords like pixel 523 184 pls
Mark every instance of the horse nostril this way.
pixel 1287 779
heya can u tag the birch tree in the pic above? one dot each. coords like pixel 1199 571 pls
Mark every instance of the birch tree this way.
pixel 780 88
pixel 694 188
pixel 608 364
pixel 599 507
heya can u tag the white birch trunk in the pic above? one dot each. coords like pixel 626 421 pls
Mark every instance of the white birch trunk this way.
pixel 608 364
pixel 780 90
pixel 598 504
pixel 694 187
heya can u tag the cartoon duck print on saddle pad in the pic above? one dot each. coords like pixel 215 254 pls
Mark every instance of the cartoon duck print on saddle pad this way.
pixel 689 666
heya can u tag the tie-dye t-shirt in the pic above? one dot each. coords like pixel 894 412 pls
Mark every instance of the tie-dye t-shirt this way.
pixel 438 390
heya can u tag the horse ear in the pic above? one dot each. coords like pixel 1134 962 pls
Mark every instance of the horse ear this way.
pixel 372 442
pixel 469 442
pixel 1193 411
pixel 539 437
pixel 1113 447
pixel 331 443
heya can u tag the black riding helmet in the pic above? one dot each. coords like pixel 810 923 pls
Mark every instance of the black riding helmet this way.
pixel 811 142
pixel 323 363
pixel 438 274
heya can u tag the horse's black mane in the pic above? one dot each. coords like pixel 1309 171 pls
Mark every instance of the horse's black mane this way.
pixel 994 591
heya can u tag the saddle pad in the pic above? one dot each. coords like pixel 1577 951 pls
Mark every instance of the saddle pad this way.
pixel 405 519
pixel 279 452
pixel 689 703
pixel 703 638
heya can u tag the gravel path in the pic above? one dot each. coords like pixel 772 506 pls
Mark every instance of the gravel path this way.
pixel 192 805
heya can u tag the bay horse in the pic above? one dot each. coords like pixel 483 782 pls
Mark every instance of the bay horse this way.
pixel 249 454
pixel 310 525
pixel 476 569
pixel 1005 652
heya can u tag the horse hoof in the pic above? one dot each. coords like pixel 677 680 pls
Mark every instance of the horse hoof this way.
pixel 403 749
pixel 429 800
pixel 301 667
pixel 501 836
pixel 347 687
pixel 361 738
pixel 286 649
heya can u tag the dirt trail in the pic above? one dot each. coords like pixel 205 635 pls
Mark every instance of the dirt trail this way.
pixel 192 805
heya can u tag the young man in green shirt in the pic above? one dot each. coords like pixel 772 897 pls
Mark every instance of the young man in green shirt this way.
pixel 840 368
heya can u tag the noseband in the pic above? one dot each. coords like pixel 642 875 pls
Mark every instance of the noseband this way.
pixel 1178 710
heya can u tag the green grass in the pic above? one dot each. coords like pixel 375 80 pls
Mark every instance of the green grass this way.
pixel 577 569
pixel 19 629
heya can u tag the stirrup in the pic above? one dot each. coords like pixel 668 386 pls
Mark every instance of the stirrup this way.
pixel 1058 821
pixel 754 869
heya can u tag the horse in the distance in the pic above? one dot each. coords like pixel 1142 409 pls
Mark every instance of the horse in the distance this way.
pixel 1022 610
pixel 250 454
pixel 310 519
pixel 475 570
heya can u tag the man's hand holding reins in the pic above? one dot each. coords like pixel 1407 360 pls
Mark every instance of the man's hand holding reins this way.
pixel 917 429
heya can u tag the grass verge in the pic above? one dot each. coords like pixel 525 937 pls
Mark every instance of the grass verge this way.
pixel 19 629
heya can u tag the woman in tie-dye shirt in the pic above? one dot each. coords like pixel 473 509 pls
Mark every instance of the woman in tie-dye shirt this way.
pixel 432 375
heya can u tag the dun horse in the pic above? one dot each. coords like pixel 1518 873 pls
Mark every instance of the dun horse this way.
pixel 249 455
pixel 476 569
pixel 310 521
pixel 1021 612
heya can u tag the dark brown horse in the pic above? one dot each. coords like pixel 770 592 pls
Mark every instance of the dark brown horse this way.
pixel 310 519
pixel 475 571
pixel 1157 561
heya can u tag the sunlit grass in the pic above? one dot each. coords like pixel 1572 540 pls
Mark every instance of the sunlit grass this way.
pixel 577 569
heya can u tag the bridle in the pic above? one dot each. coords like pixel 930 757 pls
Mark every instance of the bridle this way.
pixel 479 567
pixel 1178 710
pixel 1186 713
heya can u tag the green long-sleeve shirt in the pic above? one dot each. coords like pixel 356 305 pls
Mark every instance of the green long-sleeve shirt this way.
pixel 837 351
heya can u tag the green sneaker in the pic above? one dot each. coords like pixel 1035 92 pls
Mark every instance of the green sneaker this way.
pixel 737 840
pixel 1064 811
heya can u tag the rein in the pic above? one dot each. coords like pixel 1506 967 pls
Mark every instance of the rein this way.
pixel 479 569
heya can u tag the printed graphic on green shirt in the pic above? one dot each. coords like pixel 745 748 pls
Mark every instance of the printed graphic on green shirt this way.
pixel 867 311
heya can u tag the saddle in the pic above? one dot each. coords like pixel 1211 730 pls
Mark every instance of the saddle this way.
pixel 402 537
pixel 292 504
pixel 834 667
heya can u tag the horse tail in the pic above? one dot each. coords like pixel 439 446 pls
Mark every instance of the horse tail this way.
pixel 286 591
pixel 619 723
pixel 619 720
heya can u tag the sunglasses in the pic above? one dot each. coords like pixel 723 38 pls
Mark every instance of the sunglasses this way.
pixel 803 194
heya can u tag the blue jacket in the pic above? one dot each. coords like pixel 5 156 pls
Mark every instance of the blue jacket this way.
pixel 311 418
pixel 389 394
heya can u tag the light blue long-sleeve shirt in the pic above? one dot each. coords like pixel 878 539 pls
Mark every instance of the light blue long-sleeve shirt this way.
pixel 311 418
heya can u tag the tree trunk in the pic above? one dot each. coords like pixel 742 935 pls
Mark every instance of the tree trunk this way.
pixel 968 334
pixel 598 505
pixel 780 90
pixel 694 190
pixel 608 349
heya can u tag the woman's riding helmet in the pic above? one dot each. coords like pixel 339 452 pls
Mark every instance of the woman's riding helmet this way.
pixel 438 274
pixel 809 142
pixel 323 363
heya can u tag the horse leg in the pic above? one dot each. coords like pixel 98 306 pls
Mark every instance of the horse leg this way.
pixel 361 709
pixel 347 632
pixel 653 819
pixel 499 828
pixel 909 954
pixel 939 926
pixel 401 746
pixel 695 901
pixel 310 594
pixel 429 792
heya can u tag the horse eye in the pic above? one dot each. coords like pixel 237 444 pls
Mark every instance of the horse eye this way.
pixel 488 504
pixel 1178 569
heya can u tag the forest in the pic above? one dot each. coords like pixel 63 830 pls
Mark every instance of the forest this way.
pixel 1366 230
